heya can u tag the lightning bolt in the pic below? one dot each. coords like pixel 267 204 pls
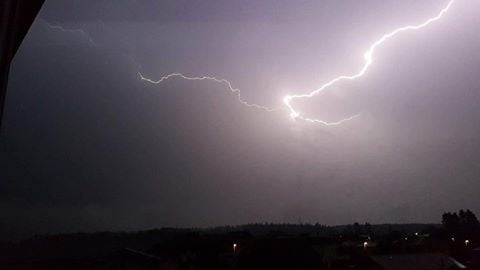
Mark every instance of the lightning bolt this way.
pixel 209 78
pixel 287 100
pixel 368 56
pixel 72 30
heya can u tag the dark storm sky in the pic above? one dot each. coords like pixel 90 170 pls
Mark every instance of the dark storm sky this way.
pixel 86 145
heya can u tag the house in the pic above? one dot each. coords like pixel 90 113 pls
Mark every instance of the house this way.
pixel 475 259
pixel 422 261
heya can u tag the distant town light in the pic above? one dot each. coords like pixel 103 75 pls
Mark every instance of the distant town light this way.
pixel 453 239
pixel 406 238
pixel 416 234
pixel 365 244
pixel 234 247
pixel 467 242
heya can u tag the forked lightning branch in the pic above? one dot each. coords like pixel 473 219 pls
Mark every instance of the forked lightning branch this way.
pixel 289 100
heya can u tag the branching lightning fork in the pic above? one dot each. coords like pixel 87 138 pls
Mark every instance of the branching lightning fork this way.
pixel 178 75
pixel 224 81
pixel 287 100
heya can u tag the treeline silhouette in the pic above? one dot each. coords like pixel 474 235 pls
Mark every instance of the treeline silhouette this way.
pixel 464 224
pixel 457 235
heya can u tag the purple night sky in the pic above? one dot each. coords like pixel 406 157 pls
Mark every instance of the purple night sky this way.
pixel 87 145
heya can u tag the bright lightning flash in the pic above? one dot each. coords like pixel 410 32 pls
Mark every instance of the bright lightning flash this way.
pixel 368 56
pixel 203 78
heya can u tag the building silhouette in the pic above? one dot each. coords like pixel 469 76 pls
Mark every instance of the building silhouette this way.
pixel 16 17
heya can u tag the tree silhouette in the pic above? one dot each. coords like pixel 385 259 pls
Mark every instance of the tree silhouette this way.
pixel 464 224
pixel 450 221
